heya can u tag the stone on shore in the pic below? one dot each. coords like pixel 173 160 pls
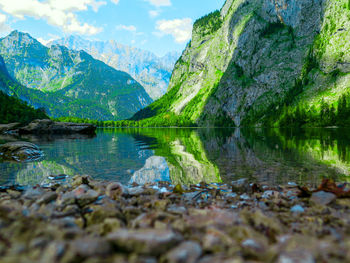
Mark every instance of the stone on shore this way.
pixel 186 252
pixel 322 198
pixel 145 241
pixel 20 151
pixel 50 127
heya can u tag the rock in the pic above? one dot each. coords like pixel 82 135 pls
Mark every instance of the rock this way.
pixel 240 186
pixel 186 252
pixel 81 179
pixel 47 198
pixel 297 209
pixel 51 127
pixel 298 256
pixel 217 241
pixel 322 198
pixel 82 196
pixel 20 151
pixel 270 194
pixel 180 210
pixel 7 128
pixel 114 190
pixel 91 247
pixel 33 193
pixel 110 225
pixel 145 241
pixel 257 249
pixel 135 191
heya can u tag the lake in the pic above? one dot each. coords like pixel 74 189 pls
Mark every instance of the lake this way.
pixel 188 156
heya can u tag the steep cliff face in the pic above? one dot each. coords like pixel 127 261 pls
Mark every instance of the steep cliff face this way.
pixel 247 60
pixel 75 83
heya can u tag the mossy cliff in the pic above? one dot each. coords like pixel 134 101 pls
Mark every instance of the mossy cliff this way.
pixel 249 60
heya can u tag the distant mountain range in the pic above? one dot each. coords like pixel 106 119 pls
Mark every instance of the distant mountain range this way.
pixel 67 82
pixel 151 71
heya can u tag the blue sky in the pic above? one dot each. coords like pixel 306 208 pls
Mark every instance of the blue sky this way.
pixel 160 26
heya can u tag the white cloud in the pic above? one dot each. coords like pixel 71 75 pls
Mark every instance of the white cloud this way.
pixel 4 27
pixel 158 3
pixel 58 13
pixel 45 42
pixel 154 13
pixel 76 5
pixel 180 29
pixel 130 28
pixel 115 1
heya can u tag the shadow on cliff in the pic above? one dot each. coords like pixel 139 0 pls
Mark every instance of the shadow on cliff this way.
pixel 264 69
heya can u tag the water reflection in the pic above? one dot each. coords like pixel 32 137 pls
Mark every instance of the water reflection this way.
pixel 190 156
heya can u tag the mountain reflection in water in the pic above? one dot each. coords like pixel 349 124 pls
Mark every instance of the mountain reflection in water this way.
pixel 189 156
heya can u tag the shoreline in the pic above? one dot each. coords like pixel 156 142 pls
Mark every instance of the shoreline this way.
pixel 98 221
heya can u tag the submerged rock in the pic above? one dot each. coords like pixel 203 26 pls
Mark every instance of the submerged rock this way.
pixel 20 151
pixel 51 127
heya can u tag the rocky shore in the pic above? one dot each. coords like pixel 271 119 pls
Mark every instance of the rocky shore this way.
pixel 93 221
pixel 46 126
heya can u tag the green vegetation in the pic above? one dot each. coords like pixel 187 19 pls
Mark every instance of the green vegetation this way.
pixel 163 120
pixel 208 24
pixel 68 82
pixel 14 110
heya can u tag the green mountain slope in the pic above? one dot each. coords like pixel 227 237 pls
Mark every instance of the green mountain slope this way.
pixel 255 61
pixel 13 109
pixel 151 71
pixel 73 82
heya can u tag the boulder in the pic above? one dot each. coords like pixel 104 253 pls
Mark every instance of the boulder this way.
pixel 5 128
pixel 51 127
pixel 20 151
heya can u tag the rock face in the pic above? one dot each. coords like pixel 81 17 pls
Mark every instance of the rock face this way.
pixel 69 83
pixel 249 59
pixel 151 71
pixel 20 151
pixel 51 127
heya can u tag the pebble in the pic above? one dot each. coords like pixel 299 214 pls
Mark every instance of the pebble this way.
pixel 297 209
pixel 270 194
pixel 97 222
pixel 145 241
pixel 322 198
pixel 186 252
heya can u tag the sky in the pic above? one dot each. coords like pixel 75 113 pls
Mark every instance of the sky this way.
pixel 159 26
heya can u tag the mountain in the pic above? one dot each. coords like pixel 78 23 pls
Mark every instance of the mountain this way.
pixel 151 71
pixel 13 109
pixel 70 83
pixel 262 63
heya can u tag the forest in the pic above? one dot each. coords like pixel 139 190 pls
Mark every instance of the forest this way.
pixel 14 110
